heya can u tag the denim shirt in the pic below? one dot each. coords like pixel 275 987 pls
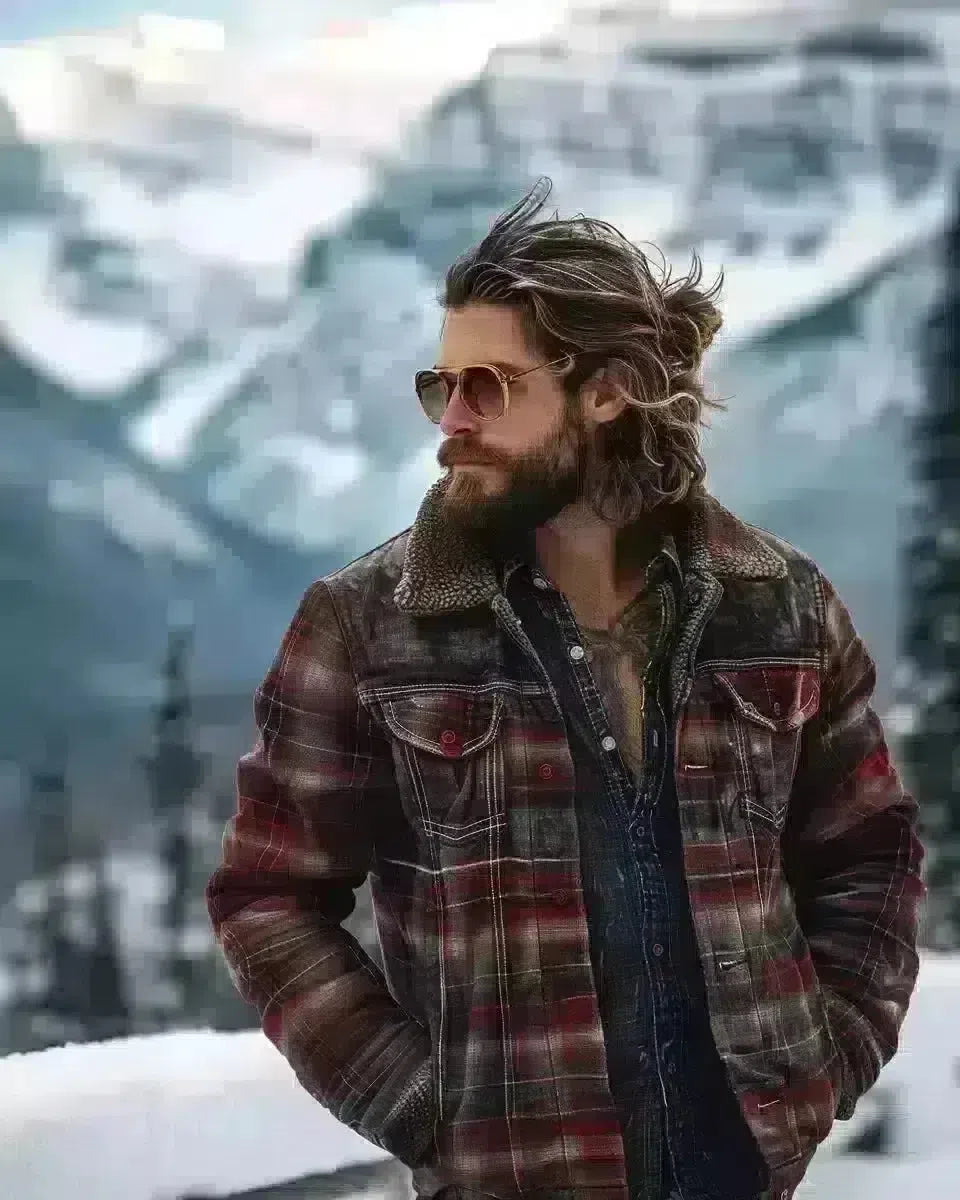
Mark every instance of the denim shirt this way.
pixel 684 1135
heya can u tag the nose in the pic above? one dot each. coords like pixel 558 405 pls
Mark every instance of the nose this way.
pixel 457 418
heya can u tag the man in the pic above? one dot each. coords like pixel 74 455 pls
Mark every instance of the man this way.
pixel 645 880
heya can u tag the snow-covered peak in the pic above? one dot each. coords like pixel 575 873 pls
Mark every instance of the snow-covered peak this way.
pixel 80 350
pixel 355 82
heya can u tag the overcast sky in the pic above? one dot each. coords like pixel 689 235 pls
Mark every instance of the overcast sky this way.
pixel 35 18
pixel 21 19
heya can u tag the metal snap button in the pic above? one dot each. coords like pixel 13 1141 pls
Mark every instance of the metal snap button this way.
pixel 450 743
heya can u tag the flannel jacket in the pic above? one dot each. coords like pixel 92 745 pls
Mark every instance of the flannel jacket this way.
pixel 408 734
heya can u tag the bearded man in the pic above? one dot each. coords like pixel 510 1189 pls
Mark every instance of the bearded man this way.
pixel 645 880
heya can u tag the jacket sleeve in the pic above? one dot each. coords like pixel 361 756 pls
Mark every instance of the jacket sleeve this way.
pixel 853 858
pixel 297 847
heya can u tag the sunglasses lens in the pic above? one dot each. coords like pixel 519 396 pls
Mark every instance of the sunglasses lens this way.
pixel 482 392
pixel 433 393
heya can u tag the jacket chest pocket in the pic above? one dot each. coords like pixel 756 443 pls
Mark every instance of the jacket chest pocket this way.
pixel 448 756
pixel 769 707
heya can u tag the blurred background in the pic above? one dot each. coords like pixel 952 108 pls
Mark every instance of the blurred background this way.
pixel 222 229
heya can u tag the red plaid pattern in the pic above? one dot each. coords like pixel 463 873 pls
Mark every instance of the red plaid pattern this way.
pixel 477 1056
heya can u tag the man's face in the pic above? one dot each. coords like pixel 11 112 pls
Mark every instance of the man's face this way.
pixel 507 477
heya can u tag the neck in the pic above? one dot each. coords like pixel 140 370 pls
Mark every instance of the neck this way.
pixel 606 559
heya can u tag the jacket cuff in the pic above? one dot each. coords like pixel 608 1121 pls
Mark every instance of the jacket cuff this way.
pixel 408 1128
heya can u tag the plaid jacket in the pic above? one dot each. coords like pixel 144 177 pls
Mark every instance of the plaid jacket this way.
pixel 403 738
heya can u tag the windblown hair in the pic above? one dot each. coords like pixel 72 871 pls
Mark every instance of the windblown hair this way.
pixel 582 288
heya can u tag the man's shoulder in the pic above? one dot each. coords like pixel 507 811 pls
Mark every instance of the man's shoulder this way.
pixel 380 567
pixel 772 602
pixel 798 561
pixel 734 540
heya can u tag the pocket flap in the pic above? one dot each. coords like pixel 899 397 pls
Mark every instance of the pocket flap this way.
pixel 448 720
pixel 778 698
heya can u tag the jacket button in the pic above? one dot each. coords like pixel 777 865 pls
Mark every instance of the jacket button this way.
pixel 450 741
pixel 545 771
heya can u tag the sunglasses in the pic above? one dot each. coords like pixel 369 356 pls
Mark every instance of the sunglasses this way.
pixel 484 388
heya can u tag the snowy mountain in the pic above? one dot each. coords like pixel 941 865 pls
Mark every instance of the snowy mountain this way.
pixel 817 167
pixel 818 173
pixel 205 367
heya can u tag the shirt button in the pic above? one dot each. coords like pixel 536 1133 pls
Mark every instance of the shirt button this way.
pixel 576 653
pixel 609 743
pixel 657 949
pixel 545 771
pixel 561 897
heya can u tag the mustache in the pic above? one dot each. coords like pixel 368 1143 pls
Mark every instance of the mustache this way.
pixel 451 453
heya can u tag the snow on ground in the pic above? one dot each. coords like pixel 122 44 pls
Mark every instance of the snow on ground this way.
pixel 150 1118
pixel 856 1176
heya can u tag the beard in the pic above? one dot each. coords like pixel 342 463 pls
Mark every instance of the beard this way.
pixel 531 490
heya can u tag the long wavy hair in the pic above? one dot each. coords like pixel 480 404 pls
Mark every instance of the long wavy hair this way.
pixel 581 287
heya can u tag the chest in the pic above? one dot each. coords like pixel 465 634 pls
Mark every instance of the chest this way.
pixel 601 609
pixel 485 765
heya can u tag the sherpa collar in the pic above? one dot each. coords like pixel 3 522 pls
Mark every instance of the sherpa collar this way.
pixel 444 572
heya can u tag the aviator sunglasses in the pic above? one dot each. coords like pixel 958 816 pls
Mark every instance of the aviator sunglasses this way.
pixel 485 389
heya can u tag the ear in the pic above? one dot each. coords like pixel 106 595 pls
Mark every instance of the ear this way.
pixel 590 388
pixel 602 396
